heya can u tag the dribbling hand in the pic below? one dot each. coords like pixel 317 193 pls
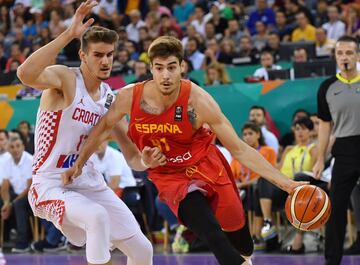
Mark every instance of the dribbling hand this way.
pixel 153 157
pixel 69 175
pixel 77 26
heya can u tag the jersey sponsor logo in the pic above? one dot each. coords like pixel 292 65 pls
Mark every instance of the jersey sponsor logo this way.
pixel 109 100
pixel 337 93
pixel 85 116
pixel 180 158
pixel 66 161
pixel 157 128
pixel 81 101
pixel 178 113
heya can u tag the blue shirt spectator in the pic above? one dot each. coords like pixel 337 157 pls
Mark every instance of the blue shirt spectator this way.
pixel 262 13
pixel 183 11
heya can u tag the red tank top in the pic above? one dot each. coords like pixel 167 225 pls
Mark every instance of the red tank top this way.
pixel 171 131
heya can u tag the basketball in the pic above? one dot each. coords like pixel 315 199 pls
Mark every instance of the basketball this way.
pixel 308 207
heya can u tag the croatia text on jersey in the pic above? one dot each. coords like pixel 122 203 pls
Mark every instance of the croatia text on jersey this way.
pixel 86 116
pixel 66 161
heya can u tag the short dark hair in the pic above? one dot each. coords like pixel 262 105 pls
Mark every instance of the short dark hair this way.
pixel 256 128
pixel 25 122
pixel 5 132
pixel 300 110
pixel 97 34
pixel 304 122
pixel 258 107
pixel 347 38
pixel 166 46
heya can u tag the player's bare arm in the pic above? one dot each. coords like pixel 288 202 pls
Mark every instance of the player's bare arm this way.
pixel 37 71
pixel 208 111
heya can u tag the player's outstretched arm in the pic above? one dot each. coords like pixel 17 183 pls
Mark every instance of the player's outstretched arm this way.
pixel 209 112
pixel 37 71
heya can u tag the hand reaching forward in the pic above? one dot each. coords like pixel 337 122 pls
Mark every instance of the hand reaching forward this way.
pixel 69 175
pixel 78 27
pixel 153 157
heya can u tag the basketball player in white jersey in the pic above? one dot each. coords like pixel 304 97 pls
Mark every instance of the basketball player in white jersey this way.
pixel 73 101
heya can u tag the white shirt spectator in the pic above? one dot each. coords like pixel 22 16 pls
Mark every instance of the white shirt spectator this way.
pixel 109 7
pixel 114 164
pixel 334 30
pixel 262 72
pixel 200 25
pixel 19 174
pixel 133 30
pixel 197 59
pixel 270 139
pixel 4 162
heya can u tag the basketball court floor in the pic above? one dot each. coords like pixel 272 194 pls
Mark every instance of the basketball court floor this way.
pixel 184 259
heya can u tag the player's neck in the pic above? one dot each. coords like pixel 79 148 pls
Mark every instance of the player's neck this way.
pixel 168 100
pixel 92 83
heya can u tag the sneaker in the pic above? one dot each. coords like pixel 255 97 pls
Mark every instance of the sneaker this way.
pixel 354 249
pixel 21 248
pixel 268 231
pixel 259 244
pixel 44 246
pixel 180 245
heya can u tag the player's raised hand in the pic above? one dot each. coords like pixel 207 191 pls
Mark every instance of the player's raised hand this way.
pixel 77 26
pixel 69 175
pixel 153 157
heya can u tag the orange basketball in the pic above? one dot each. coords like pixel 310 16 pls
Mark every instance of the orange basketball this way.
pixel 308 207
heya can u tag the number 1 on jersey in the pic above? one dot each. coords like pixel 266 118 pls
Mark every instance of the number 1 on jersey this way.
pixel 161 144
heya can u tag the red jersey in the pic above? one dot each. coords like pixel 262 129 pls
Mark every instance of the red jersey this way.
pixel 171 131
pixel 192 159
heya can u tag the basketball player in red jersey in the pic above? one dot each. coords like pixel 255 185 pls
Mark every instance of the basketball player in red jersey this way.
pixel 196 181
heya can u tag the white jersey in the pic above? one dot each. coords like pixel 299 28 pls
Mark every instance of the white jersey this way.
pixel 59 135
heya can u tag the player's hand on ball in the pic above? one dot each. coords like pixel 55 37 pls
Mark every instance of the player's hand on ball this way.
pixel 294 184
pixel 153 157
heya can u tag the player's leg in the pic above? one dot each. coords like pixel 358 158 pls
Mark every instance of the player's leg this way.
pixel 125 233
pixel 85 219
pixel 196 213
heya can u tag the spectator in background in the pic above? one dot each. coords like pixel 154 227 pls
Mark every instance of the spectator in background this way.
pixel 267 63
pixel 353 20
pixel 3 59
pixel 262 13
pixel 16 55
pixel 259 197
pixel 132 28
pixel 300 56
pixel 292 8
pixel 24 128
pixel 260 38
pixel 248 53
pixel 335 28
pixel 5 19
pixel 200 19
pixel 233 31
pixel 153 24
pixel 4 145
pixel 273 45
pixel 144 56
pixel 324 45
pixel 304 31
pixel 56 24
pixel 141 71
pixel 107 11
pixel 183 9
pixel 14 189
pixel 211 53
pixel 52 243
pixel 257 114
pixel 169 27
pixel 216 74
pixel 190 33
pixel 321 13
pixel 281 27
pixel 227 51
pixel 117 175
pixel 217 20
pixel 154 6
pixel 193 54
pixel 130 46
pixel 210 32
pixel 122 63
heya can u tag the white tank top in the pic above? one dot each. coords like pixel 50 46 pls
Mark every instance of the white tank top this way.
pixel 59 135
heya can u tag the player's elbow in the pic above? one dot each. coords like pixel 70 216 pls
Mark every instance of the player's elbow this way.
pixel 24 74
